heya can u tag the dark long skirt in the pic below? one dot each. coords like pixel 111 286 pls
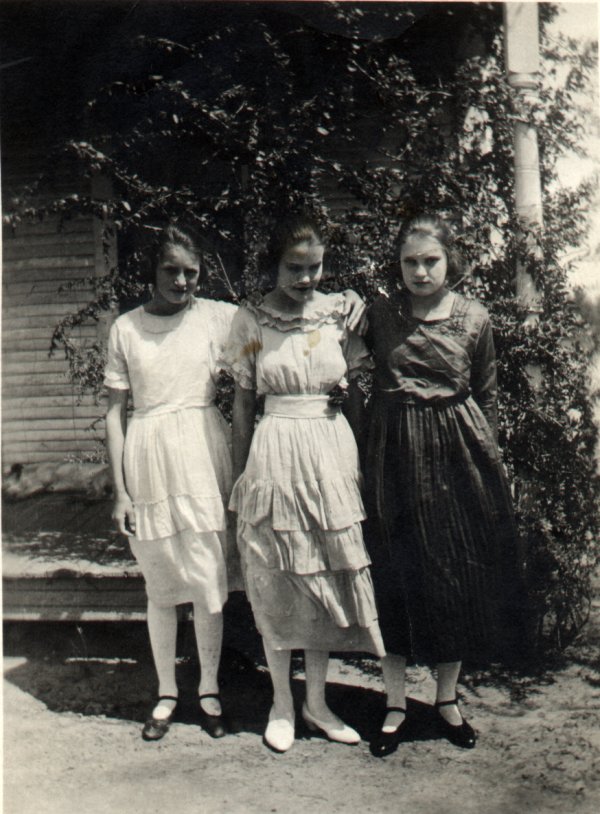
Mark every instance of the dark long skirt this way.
pixel 445 564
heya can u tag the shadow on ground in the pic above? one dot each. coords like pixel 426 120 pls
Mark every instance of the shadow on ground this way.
pixel 106 669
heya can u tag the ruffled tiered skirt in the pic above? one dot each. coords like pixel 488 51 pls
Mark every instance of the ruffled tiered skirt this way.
pixel 178 473
pixel 299 532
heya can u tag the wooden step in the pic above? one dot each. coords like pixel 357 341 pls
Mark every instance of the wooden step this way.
pixel 69 596
pixel 63 561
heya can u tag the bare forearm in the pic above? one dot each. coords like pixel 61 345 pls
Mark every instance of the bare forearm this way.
pixel 116 423
pixel 115 442
pixel 244 414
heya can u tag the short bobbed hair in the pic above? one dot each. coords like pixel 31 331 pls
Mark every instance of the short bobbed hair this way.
pixel 173 234
pixel 436 227
pixel 292 230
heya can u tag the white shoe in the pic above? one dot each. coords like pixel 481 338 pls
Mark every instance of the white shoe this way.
pixel 335 730
pixel 279 734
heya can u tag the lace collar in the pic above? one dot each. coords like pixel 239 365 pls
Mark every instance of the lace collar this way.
pixel 327 310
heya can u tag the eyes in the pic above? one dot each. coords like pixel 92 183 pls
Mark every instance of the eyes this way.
pixel 175 271
pixel 428 262
pixel 297 268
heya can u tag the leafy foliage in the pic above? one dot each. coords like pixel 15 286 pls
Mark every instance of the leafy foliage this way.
pixel 229 129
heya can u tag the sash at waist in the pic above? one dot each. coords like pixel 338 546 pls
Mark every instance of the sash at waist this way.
pixel 165 409
pixel 303 406
pixel 399 397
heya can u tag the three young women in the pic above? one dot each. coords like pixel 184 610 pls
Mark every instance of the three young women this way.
pixel 446 573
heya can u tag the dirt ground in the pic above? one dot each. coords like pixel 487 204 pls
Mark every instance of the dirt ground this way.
pixel 74 698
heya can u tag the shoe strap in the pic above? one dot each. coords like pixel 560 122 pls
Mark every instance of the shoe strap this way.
pixel 168 698
pixel 158 723
pixel 395 709
pixel 209 695
pixel 439 704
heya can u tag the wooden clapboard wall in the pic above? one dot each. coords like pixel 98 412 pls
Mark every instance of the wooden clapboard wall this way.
pixel 42 419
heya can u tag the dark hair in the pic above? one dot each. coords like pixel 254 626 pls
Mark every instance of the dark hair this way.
pixel 173 234
pixel 290 231
pixel 436 227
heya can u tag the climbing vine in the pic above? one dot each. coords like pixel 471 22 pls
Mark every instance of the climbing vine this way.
pixel 364 133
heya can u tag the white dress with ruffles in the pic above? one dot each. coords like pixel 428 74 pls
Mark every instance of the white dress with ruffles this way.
pixel 177 457
pixel 298 501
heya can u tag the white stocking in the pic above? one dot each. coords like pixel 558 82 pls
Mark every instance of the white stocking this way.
pixel 162 628
pixel 209 637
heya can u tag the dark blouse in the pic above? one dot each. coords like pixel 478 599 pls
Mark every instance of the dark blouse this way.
pixel 433 361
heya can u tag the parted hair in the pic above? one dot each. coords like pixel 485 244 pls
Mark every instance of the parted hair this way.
pixel 437 227
pixel 290 231
pixel 172 234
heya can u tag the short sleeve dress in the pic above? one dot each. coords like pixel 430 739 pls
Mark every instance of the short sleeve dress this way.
pixel 447 576
pixel 298 501
pixel 177 457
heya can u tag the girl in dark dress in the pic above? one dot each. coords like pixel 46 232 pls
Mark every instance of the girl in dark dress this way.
pixel 446 574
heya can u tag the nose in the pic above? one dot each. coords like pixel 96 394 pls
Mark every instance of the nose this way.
pixel 420 271
pixel 304 278
pixel 180 281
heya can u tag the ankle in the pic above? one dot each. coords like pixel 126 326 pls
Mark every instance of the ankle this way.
pixel 208 688
pixel 395 700
pixel 319 709
pixel 166 693
pixel 393 720
pixel 210 703
pixel 283 708
pixel 450 713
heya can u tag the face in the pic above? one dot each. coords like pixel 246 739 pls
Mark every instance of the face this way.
pixel 424 265
pixel 177 276
pixel 300 270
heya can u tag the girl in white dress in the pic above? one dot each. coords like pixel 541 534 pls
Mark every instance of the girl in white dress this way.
pixel 297 494
pixel 171 466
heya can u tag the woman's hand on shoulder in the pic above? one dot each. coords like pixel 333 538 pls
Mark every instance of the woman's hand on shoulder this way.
pixel 124 515
pixel 355 309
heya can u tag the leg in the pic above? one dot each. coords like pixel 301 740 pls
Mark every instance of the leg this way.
pixel 316 663
pixel 162 627
pixel 209 636
pixel 393 668
pixel 315 711
pixel 447 676
pixel 279 667
pixel 394 729
pixel 450 721
pixel 279 734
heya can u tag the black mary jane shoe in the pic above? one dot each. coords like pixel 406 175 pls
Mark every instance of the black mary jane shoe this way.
pixel 214 725
pixel 156 728
pixel 384 743
pixel 462 735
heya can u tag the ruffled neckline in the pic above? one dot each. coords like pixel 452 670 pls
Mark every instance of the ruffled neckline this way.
pixel 325 311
